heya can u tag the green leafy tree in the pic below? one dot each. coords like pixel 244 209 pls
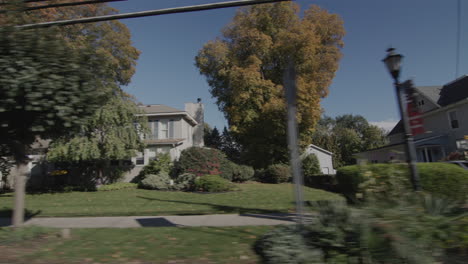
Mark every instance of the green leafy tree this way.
pixel 231 147
pixel 346 135
pixel 46 87
pixel 113 133
pixel 212 138
pixel 245 67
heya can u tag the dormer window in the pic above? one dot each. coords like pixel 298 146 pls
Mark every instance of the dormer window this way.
pixel 421 102
pixel 453 119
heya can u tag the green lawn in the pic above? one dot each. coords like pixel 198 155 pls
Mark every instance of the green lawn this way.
pixel 252 198
pixel 134 245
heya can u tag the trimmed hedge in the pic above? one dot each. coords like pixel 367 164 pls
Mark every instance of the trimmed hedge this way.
pixel 438 178
pixel 212 183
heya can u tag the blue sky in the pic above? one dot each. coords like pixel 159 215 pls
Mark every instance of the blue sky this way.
pixel 424 31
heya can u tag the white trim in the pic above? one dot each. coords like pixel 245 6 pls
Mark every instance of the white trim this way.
pixel 185 114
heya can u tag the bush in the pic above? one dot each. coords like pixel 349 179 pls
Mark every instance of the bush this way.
pixel 243 173
pixel 185 182
pixel 162 163
pixel 212 183
pixel 160 181
pixel 368 235
pixel 310 165
pixel 440 179
pixel 200 161
pixel 118 186
pixel 277 173
pixel 285 244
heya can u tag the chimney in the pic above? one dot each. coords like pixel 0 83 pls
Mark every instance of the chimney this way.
pixel 196 110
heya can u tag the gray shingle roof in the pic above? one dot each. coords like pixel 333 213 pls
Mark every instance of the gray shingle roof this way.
pixel 430 92
pixel 454 91
pixel 159 108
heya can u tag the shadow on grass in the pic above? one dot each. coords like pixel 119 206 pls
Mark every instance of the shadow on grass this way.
pixel 219 208
pixel 7 213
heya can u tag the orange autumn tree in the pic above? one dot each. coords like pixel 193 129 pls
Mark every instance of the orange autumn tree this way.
pixel 244 69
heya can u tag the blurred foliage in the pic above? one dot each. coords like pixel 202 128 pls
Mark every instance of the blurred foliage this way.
pixel 390 181
pixel 414 231
pixel 346 135
pixel 244 69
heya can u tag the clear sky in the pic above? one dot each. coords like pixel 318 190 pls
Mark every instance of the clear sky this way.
pixel 424 31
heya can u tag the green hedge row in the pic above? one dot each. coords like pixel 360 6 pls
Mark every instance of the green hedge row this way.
pixel 438 178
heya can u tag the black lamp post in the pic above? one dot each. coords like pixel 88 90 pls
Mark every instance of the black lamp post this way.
pixel 393 63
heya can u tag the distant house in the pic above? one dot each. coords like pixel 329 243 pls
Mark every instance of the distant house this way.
pixel 445 113
pixel 324 157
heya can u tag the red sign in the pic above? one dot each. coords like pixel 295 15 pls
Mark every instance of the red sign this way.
pixel 414 116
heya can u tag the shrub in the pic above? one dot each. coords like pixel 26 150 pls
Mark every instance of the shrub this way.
pixel 160 181
pixel 243 173
pixel 285 244
pixel 310 165
pixel 162 163
pixel 228 169
pixel 440 179
pixel 368 235
pixel 185 182
pixel 277 173
pixel 118 186
pixel 200 161
pixel 212 183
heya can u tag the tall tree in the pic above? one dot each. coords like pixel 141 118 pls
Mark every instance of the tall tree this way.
pixel 231 147
pixel 113 133
pixel 245 67
pixel 212 138
pixel 56 78
pixel 346 135
pixel 46 88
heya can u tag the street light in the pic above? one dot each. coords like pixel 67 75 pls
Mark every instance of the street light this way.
pixel 393 63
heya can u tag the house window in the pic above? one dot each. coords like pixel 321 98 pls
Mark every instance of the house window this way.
pixel 153 127
pixel 163 129
pixel 140 161
pixel 420 102
pixel 453 119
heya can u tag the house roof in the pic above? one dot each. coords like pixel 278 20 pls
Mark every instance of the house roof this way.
pixel 164 110
pixel 430 92
pixel 441 96
pixel 454 91
pixel 159 109
pixel 320 149
pixel 397 129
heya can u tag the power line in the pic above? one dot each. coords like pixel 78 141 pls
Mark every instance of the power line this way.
pixel 457 63
pixel 157 12
pixel 31 8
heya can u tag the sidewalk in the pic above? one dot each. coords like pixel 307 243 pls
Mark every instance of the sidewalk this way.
pixel 158 221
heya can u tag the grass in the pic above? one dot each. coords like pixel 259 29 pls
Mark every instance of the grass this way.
pixel 137 245
pixel 252 198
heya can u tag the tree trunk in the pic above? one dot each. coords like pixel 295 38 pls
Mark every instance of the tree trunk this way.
pixel 20 187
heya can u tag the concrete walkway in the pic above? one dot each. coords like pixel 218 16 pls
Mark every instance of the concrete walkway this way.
pixel 158 221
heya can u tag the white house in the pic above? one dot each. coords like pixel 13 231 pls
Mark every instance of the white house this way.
pixel 171 131
pixel 324 157
pixel 445 120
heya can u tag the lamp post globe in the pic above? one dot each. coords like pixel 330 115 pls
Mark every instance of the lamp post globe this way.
pixel 393 63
